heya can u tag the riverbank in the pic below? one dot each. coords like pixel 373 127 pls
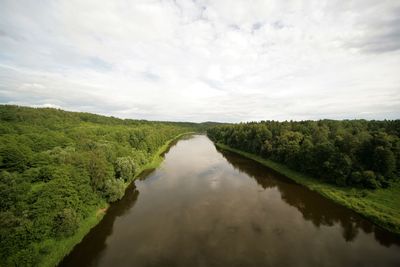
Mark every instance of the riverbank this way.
pixel 158 156
pixel 381 206
pixel 61 248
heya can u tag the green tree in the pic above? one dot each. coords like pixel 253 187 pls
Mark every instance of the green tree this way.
pixel 384 161
pixel 369 180
pixel 114 189
pixel 125 168
pixel 98 170
pixel 66 222
pixel 15 157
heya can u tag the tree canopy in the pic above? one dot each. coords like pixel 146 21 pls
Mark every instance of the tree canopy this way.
pixel 57 168
pixel 355 153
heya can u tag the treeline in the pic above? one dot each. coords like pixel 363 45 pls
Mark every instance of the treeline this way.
pixel 57 168
pixel 354 153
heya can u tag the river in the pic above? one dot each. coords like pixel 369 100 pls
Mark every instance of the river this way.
pixel 205 207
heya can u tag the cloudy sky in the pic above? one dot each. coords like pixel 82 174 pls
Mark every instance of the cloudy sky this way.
pixel 199 60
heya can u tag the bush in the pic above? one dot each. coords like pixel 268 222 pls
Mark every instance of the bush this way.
pixel 384 161
pixel 356 178
pixel 25 257
pixel 125 168
pixel 15 157
pixel 99 170
pixel 12 190
pixel 369 180
pixel 46 173
pixel 66 222
pixel 114 190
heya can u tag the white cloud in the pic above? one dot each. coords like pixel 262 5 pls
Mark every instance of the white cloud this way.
pixel 203 60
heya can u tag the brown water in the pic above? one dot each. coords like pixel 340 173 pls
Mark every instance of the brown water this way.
pixel 204 207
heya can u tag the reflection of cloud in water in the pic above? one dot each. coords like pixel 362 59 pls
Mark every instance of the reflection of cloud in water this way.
pixel 202 208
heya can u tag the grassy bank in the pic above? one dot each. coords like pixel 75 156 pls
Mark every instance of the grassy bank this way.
pixel 61 248
pixel 381 206
pixel 158 158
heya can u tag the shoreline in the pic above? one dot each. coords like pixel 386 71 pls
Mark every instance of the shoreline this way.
pixel 380 206
pixel 63 247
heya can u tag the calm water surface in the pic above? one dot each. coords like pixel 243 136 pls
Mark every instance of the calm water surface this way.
pixel 204 207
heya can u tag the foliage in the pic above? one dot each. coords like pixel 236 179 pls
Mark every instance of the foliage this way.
pixel 125 168
pixel 114 190
pixel 57 168
pixel 15 157
pixel 66 222
pixel 354 153
pixel 381 206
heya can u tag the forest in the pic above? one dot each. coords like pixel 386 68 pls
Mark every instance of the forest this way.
pixel 349 153
pixel 353 162
pixel 58 168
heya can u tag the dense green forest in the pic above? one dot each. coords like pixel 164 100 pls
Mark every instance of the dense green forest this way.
pixel 354 153
pixel 353 162
pixel 58 168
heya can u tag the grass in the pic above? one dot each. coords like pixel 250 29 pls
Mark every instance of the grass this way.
pixel 58 249
pixel 158 156
pixel 381 206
